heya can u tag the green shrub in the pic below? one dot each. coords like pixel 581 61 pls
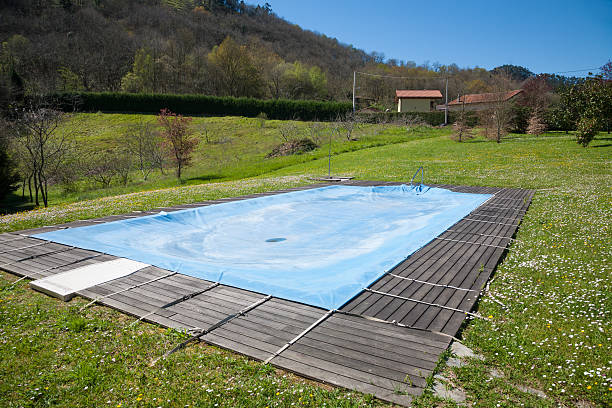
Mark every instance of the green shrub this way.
pixel 586 130
pixel 202 105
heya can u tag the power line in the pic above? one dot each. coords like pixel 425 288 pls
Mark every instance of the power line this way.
pixel 396 77
pixel 576 70
pixel 453 75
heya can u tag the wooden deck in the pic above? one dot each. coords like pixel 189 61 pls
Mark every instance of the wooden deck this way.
pixel 385 341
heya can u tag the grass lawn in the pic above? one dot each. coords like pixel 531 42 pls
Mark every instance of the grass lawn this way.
pixel 550 299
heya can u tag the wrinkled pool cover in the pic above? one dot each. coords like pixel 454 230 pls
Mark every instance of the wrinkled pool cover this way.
pixel 320 246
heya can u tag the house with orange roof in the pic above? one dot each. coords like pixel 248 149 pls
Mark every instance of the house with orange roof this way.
pixel 423 100
pixel 477 102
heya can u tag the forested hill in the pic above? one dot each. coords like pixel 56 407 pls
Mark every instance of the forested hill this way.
pixel 92 45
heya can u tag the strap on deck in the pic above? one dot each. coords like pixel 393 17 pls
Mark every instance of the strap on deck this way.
pixel 202 332
pixel 424 303
pixel 96 300
pixel 175 302
pixel 302 334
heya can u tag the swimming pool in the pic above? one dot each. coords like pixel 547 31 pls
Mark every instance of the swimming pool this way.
pixel 320 246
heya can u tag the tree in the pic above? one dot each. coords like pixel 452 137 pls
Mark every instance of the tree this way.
pixel 497 118
pixel 142 76
pixel 590 99
pixel 514 72
pixel 35 133
pixel 349 123
pixel 536 93
pixel 145 145
pixel 461 130
pixel 537 126
pixel 586 129
pixel 232 70
pixel 178 138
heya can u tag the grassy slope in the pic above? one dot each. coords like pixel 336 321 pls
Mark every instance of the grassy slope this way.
pixel 230 148
pixel 552 333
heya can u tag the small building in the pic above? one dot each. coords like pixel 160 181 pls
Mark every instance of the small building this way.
pixel 423 100
pixel 477 102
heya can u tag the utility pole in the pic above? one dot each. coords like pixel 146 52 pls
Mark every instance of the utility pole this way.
pixel 446 104
pixel 354 83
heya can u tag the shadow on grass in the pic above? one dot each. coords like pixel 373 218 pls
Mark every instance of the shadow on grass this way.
pixel 205 177
pixel 14 203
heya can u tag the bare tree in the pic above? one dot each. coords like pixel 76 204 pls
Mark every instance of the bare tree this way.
pixel 287 131
pixel 145 145
pixel 499 115
pixel 315 132
pixel 349 123
pixel 461 130
pixel 100 167
pixel 42 146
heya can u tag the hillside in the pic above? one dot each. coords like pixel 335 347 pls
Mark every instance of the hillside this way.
pixel 92 44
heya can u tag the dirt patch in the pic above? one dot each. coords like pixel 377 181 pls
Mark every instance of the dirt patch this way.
pixel 292 147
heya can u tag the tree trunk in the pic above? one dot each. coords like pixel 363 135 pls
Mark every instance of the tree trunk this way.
pixel 36 187
pixel 30 187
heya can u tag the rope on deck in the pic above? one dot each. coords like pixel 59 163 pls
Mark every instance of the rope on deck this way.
pixel 430 283
pixel 69 248
pixel 25 247
pixel 299 336
pixel 98 299
pixel 490 222
pixel 425 303
pixel 175 302
pixel 482 235
pixel 202 332
pixel 396 323
pixel 494 216
pixel 468 242
pixel 21 237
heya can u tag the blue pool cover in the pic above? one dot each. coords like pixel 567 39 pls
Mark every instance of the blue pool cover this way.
pixel 320 246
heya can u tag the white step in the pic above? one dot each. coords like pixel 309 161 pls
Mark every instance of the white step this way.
pixel 65 285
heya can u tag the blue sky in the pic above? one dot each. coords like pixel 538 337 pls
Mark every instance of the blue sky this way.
pixel 544 36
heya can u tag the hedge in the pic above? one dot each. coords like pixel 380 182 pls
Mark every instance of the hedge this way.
pixel 202 105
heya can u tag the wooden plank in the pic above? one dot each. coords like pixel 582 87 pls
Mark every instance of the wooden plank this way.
pixel 289 359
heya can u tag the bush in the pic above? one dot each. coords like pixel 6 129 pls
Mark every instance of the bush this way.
pixel 293 147
pixel 586 130
pixel 202 105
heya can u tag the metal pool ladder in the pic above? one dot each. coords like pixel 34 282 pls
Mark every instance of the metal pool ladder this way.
pixel 415 174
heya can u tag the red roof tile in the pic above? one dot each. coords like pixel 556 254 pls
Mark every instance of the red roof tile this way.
pixel 423 93
pixel 485 97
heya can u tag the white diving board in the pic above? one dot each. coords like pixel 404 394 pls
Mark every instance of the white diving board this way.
pixel 65 285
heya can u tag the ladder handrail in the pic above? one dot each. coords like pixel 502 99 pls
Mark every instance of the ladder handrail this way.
pixel 417 172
